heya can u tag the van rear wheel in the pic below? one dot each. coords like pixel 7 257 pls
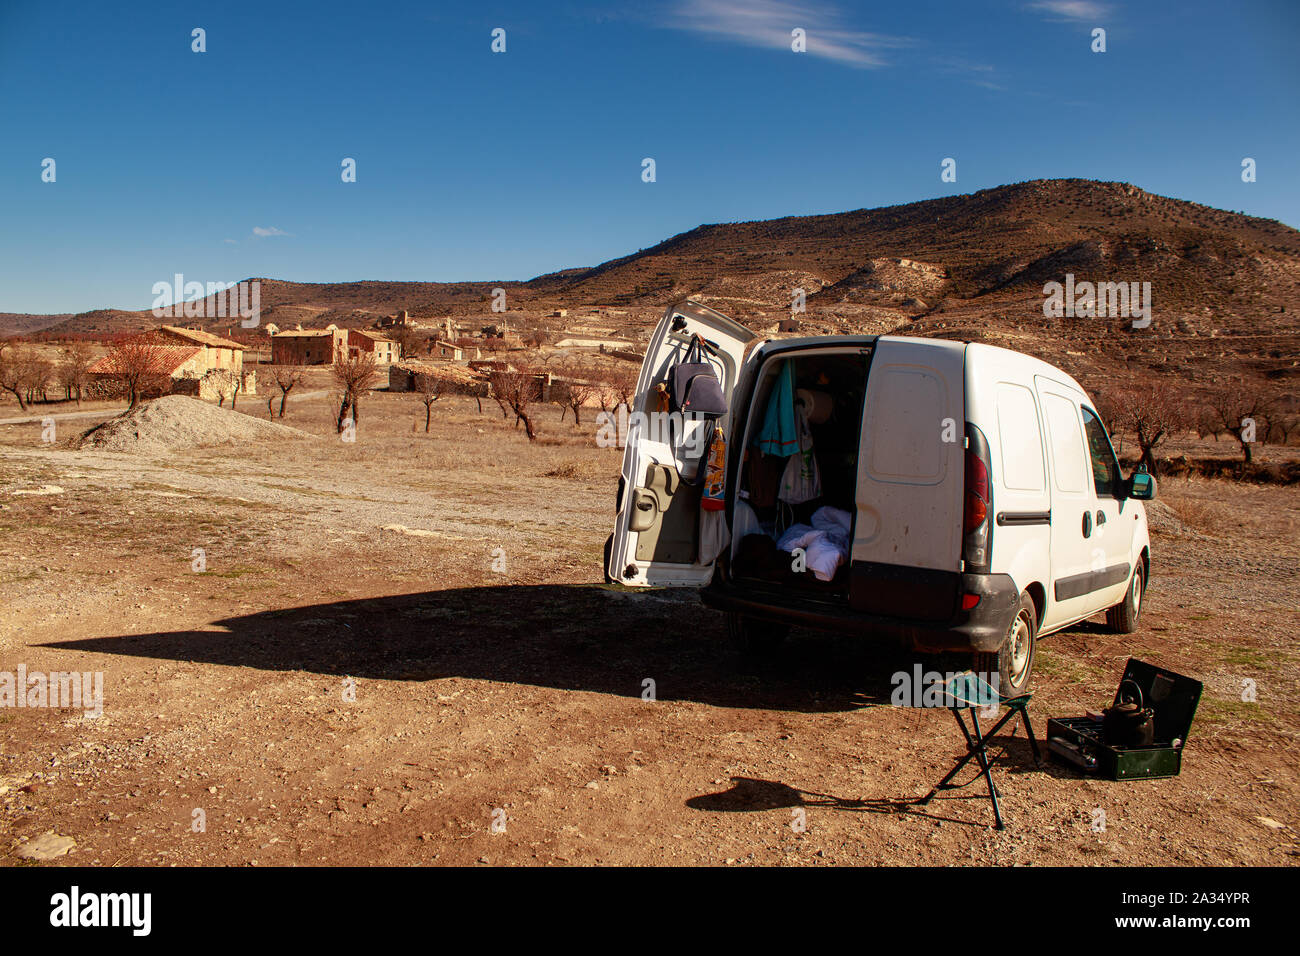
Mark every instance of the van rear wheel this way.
pixel 1014 661
pixel 1123 617
pixel 753 636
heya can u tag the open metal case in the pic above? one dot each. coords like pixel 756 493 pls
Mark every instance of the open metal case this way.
pixel 1079 742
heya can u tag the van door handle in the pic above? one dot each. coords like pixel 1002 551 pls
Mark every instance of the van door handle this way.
pixel 1101 517
pixel 1087 524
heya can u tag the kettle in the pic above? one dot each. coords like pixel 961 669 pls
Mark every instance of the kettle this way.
pixel 1128 723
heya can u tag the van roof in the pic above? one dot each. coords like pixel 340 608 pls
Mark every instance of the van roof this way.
pixel 820 341
pixel 1031 365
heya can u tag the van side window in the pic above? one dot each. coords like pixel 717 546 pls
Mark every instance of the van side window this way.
pixel 1019 438
pixel 1105 469
pixel 1063 431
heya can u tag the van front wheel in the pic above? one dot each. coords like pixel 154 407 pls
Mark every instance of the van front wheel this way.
pixel 753 636
pixel 1014 662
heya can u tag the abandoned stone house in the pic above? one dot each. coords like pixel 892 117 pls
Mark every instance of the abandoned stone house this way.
pixel 308 346
pixel 177 370
pixel 323 346
pixel 446 350
pixel 404 376
pixel 384 349
pixel 216 352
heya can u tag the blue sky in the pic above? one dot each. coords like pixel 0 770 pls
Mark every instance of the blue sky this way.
pixel 474 165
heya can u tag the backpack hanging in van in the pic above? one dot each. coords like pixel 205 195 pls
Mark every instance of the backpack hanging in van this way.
pixel 694 385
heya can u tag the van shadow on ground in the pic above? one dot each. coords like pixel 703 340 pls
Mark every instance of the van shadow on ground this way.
pixel 571 637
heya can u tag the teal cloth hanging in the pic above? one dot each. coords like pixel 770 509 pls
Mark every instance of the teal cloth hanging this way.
pixel 779 435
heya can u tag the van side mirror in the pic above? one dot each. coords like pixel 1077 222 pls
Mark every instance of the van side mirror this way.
pixel 1141 486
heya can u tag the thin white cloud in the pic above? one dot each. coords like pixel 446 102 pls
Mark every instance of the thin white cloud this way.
pixel 768 24
pixel 269 231
pixel 1077 11
pixel 233 242
pixel 979 74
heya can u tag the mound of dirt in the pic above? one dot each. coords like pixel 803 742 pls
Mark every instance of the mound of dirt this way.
pixel 1162 519
pixel 176 422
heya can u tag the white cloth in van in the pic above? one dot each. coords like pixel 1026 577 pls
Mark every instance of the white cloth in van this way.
pixel 825 542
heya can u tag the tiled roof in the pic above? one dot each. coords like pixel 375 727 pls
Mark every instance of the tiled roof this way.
pixel 203 338
pixel 167 359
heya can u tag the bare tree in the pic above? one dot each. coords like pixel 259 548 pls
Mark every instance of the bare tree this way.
pixel 286 377
pixel 606 392
pixel 578 388
pixel 517 389
pixel 1282 424
pixel 1239 410
pixel 14 372
pixel 1150 414
pixel 37 374
pixel 480 388
pixel 623 378
pixel 140 366
pixel 74 372
pixel 407 339
pixel 430 386
pixel 354 375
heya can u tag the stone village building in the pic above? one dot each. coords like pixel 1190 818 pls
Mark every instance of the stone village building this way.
pixel 323 346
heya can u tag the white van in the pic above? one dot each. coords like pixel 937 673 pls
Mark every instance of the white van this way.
pixel 969 501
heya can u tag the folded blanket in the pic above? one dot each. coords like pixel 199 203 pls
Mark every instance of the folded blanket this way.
pixel 825 542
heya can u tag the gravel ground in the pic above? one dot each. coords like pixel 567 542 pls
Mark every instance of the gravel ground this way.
pixel 400 651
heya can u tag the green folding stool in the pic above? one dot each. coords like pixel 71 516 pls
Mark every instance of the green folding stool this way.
pixel 968 691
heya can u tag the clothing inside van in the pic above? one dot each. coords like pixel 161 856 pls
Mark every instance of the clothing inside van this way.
pixel 825 542
pixel 810 408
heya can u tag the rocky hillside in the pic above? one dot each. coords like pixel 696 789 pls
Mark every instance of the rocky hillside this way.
pixel 1225 286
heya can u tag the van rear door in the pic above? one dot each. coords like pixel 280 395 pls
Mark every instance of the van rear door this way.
pixel 657 528
pixel 907 541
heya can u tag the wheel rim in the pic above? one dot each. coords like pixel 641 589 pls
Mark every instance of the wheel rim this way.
pixel 1135 592
pixel 1018 647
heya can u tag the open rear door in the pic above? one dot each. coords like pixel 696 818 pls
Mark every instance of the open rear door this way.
pixel 657 530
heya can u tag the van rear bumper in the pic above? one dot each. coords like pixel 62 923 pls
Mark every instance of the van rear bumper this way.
pixel 979 629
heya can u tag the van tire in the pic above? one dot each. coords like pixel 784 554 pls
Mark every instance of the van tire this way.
pixel 1123 617
pixel 1014 661
pixel 753 636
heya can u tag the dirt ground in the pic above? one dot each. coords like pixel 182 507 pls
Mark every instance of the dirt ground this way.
pixel 400 651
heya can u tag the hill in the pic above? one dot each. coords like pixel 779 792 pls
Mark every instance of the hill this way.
pixel 1225 286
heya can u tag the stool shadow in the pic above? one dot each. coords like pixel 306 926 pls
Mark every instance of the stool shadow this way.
pixel 752 794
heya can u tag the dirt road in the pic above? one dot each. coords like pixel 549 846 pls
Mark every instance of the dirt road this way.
pixel 460 688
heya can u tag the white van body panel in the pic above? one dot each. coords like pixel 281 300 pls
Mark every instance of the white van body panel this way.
pixel 910 478
pixel 1001 402
pixel 1031 413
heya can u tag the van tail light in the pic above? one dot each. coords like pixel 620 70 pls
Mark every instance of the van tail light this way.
pixel 968 601
pixel 977 502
